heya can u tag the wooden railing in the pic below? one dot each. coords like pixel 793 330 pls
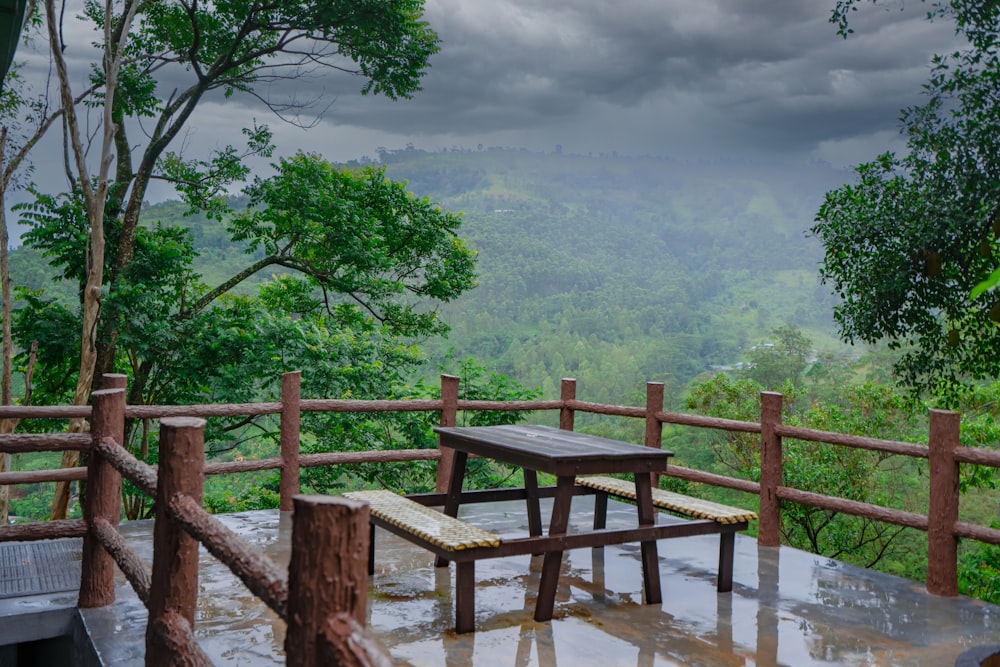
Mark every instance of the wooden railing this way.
pixel 324 593
pixel 334 627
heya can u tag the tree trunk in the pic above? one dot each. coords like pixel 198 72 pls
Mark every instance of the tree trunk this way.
pixel 6 425
pixel 95 198
pixel 88 362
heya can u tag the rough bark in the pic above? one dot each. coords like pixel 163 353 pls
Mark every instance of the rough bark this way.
pixel 104 498
pixel 6 425
pixel 95 199
pixel 11 161
pixel 327 575
pixel 173 590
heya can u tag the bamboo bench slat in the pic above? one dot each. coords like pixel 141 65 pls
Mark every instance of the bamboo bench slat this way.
pixel 668 500
pixel 425 523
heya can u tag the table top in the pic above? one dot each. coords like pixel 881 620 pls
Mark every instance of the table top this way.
pixel 552 450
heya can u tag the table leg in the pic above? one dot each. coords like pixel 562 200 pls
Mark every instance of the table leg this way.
pixel 455 484
pixel 534 512
pixel 650 558
pixel 600 510
pixel 553 559
pixel 451 501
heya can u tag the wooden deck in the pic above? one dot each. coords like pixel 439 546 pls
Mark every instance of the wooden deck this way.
pixel 787 607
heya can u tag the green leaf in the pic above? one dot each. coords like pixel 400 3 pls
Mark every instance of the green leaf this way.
pixel 987 284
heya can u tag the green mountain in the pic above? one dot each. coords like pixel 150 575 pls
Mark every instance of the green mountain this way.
pixel 619 270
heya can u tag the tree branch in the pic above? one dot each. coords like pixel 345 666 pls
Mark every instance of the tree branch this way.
pixel 214 294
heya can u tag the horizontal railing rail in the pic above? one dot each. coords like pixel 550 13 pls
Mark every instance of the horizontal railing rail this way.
pixel 44 411
pixel 20 443
pixel 981 457
pixel 682 419
pixel 712 479
pixel 867 510
pixel 856 441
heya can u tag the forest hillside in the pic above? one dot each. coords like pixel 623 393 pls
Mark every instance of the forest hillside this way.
pixel 619 270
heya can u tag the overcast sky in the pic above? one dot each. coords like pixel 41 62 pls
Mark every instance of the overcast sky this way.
pixel 696 79
pixel 691 79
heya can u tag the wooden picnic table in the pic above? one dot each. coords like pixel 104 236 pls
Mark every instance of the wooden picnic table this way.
pixel 564 454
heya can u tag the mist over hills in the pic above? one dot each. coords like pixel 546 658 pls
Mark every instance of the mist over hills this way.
pixel 619 270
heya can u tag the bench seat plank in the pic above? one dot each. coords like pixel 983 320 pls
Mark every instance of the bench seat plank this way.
pixel 425 523
pixel 668 500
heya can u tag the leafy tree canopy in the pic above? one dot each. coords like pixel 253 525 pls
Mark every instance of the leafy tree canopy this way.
pixel 771 364
pixel 357 250
pixel 361 265
pixel 358 234
pixel 844 472
pixel 906 244
pixel 232 48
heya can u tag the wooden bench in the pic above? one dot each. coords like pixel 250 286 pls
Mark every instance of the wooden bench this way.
pixel 453 540
pixel 729 520
pixel 448 538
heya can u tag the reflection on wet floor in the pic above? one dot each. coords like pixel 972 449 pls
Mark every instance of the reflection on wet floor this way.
pixel 787 607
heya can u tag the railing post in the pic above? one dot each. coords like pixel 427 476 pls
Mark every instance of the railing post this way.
pixel 108 381
pixel 70 459
pixel 104 499
pixel 173 591
pixel 114 381
pixel 942 511
pixel 291 411
pixel 327 572
pixel 654 427
pixel 769 534
pixel 567 392
pixel 449 417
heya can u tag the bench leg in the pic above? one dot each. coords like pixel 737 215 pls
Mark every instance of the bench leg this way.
pixel 465 597
pixel 727 549
pixel 371 549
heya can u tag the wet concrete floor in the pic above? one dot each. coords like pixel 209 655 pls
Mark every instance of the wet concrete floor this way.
pixel 787 607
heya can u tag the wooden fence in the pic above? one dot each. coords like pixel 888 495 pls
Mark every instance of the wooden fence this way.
pixel 327 628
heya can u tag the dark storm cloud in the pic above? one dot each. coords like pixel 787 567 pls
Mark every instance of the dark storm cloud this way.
pixel 683 78
pixel 770 73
